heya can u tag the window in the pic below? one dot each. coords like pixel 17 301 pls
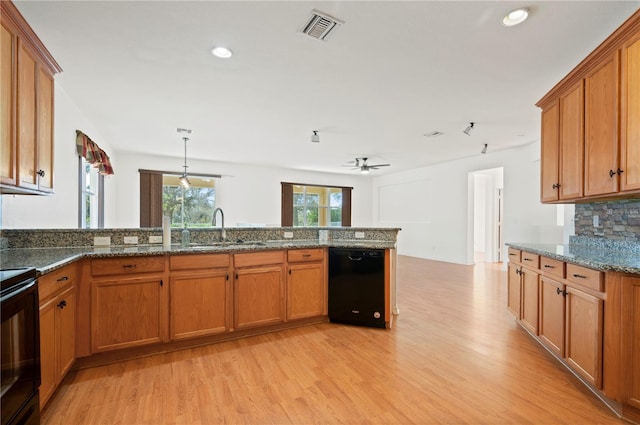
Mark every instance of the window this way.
pixel 90 196
pixel 195 205
pixel 161 194
pixel 305 205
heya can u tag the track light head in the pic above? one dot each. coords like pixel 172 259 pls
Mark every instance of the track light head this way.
pixel 314 137
pixel 484 149
pixel 468 130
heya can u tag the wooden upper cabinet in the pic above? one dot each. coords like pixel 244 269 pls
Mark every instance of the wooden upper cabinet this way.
pixel 549 180
pixel 26 137
pixel 571 143
pixel 630 115
pixel 601 127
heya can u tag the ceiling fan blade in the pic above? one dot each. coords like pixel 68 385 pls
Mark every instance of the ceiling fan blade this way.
pixel 379 165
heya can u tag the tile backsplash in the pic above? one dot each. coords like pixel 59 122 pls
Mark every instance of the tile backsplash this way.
pixel 617 220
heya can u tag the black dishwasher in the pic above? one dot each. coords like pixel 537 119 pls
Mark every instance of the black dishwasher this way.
pixel 356 286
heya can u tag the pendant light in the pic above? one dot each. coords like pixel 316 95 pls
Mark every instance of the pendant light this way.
pixel 184 180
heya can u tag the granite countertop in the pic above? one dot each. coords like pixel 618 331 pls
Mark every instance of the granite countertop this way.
pixel 595 257
pixel 46 260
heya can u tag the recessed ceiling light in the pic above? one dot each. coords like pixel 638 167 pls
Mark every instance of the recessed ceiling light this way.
pixel 222 52
pixel 515 17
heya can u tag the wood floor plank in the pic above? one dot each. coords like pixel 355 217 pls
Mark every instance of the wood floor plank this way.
pixel 455 355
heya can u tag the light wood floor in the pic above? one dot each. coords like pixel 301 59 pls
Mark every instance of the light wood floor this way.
pixel 454 356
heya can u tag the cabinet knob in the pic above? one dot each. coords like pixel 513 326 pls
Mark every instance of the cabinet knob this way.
pixel 612 173
pixel 556 186
pixel 62 304
pixel 619 171
pixel 561 292
pixel 40 173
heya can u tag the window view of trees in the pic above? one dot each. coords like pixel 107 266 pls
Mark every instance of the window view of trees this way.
pixel 198 201
pixel 317 206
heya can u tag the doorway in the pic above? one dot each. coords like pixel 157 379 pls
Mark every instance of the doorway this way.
pixel 487 242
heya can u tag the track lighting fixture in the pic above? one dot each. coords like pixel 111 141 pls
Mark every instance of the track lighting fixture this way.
pixel 314 137
pixel 468 130
pixel 484 150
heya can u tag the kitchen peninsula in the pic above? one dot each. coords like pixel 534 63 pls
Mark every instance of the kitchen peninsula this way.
pixel 102 304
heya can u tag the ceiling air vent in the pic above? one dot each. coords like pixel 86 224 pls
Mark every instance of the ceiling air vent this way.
pixel 320 25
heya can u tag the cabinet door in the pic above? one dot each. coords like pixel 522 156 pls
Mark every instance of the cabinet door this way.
pixel 552 312
pixel 66 330
pixel 583 350
pixel 306 291
pixel 630 116
pixel 258 295
pixel 45 131
pixel 48 373
pixel 513 289
pixel 7 113
pixel 631 340
pixel 198 303
pixel 601 128
pixel 126 313
pixel 550 153
pixel 26 118
pixel 571 167
pixel 529 313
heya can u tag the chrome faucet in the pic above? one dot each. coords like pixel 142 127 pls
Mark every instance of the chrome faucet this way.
pixel 223 233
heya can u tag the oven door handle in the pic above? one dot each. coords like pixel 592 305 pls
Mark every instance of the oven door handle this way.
pixel 24 288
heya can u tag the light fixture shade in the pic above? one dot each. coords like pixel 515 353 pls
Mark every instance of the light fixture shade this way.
pixel 364 170
pixel 515 17
pixel 468 130
pixel 314 137
pixel 184 181
pixel 484 149
pixel 222 52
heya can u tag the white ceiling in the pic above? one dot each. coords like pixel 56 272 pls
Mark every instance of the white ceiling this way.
pixel 393 72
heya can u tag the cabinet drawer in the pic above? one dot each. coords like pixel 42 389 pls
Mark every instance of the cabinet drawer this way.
pixel 258 258
pixel 552 267
pixel 530 260
pixel 590 278
pixel 126 265
pixel 514 255
pixel 55 281
pixel 198 261
pixel 297 255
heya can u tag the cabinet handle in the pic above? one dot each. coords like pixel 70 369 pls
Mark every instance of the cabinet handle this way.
pixel 306 255
pixel 547 266
pixel 556 186
pixel 560 291
pixel 579 276
pixel 161 282
pixel 129 266
pixel 62 304
pixel 512 254
pixel 612 173
pixel 527 259
pixel 63 278
pixel 236 276
pixel 40 173
pixel 227 276
pixel 289 271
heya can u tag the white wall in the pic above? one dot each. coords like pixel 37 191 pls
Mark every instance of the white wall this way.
pixel 441 230
pixel 59 210
pixel 246 193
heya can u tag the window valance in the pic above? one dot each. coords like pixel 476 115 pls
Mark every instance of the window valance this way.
pixel 95 156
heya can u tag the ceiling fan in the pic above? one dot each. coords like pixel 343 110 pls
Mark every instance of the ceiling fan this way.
pixel 361 163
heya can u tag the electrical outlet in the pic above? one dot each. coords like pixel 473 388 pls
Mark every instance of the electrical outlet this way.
pixel 102 240
pixel 288 235
pixel 596 221
pixel 359 235
pixel 155 239
pixel 131 240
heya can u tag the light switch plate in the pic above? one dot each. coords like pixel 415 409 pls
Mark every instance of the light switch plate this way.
pixel 155 239
pixel 359 235
pixel 288 235
pixel 131 240
pixel 102 240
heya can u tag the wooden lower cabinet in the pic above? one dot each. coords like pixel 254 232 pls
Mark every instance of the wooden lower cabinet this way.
pixel 259 296
pixel 631 342
pixel 57 329
pixel 306 289
pixel 552 313
pixel 529 313
pixel 514 289
pixel 583 348
pixel 198 305
pixel 127 312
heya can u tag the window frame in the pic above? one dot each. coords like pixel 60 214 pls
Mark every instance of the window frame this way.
pixel 287 207
pixel 82 192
